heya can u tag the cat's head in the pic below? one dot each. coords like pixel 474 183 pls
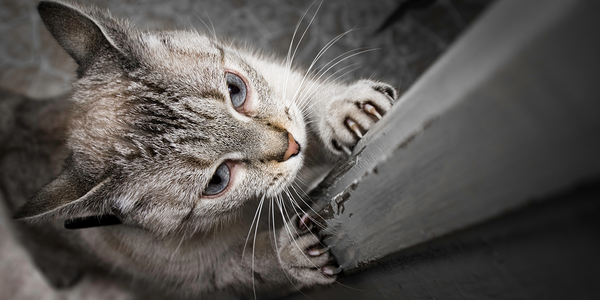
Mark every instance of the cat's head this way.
pixel 171 131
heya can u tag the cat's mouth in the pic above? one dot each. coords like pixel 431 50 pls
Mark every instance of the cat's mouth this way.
pixel 293 148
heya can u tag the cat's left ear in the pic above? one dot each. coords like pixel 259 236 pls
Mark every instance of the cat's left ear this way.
pixel 68 197
pixel 85 34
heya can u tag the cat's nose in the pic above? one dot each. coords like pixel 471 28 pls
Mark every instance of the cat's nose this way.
pixel 293 148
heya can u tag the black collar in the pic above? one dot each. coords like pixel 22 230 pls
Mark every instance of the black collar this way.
pixel 92 221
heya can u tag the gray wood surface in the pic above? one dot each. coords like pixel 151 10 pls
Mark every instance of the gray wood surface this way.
pixel 509 115
pixel 547 250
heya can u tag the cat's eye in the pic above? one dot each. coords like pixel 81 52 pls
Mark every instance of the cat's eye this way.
pixel 219 181
pixel 237 90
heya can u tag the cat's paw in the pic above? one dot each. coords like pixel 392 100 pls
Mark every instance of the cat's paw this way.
pixel 353 112
pixel 303 256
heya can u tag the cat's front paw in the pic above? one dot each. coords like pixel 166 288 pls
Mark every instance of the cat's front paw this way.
pixel 354 111
pixel 303 256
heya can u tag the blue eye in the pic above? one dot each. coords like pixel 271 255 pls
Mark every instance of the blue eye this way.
pixel 219 181
pixel 237 90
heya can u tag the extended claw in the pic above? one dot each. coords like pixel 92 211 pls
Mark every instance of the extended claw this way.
pixel 317 251
pixel 330 270
pixel 305 223
pixel 346 150
pixel 371 110
pixel 354 127
pixel 327 270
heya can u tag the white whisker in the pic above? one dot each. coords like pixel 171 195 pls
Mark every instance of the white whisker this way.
pixel 314 89
pixel 253 249
pixel 342 61
pixel 290 55
pixel 331 64
pixel 309 93
pixel 255 219
pixel 214 34
pixel 178 245
pixel 317 57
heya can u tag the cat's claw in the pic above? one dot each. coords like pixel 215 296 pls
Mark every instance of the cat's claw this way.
pixel 371 110
pixel 354 127
pixel 347 150
pixel 327 270
pixel 317 251
pixel 353 112
pixel 303 256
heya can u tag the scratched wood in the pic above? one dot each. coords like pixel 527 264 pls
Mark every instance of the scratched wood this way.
pixel 508 116
pixel 547 250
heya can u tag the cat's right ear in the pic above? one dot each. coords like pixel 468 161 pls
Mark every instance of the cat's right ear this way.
pixel 81 33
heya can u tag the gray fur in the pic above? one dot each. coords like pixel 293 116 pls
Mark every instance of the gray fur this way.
pixel 150 120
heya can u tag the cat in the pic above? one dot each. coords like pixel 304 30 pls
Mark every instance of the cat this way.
pixel 174 140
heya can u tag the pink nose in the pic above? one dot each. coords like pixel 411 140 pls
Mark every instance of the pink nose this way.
pixel 293 148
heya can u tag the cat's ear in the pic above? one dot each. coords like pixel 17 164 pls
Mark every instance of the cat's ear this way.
pixel 67 194
pixel 83 34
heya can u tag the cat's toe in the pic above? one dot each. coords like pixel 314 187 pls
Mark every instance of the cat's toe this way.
pixel 362 105
pixel 304 257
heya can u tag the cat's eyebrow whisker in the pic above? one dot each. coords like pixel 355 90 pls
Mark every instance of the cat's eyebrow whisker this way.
pixel 315 76
pixel 309 92
pixel 290 55
pixel 214 33
pixel 329 79
pixel 322 72
pixel 317 57
pixel 313 89
pixel 211 24
pixel 361 52
pixel 322 52
pixel 288 61
pixel 308 73
pixel 192 28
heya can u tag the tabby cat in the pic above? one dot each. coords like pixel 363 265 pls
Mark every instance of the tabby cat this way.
pixel 179 139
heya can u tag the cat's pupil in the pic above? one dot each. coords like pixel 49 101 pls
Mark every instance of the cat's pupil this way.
pixel 215 180
pixel 233 89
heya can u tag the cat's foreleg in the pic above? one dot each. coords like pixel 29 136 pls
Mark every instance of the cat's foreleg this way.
pixel 296 260
pixel 302 254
